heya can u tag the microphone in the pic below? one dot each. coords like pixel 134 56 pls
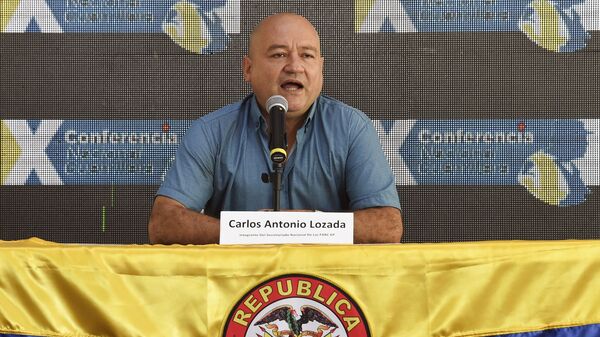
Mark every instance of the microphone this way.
pixel 277 106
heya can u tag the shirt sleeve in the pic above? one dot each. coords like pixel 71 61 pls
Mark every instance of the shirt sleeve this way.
pixel 190 179
pixel 369 178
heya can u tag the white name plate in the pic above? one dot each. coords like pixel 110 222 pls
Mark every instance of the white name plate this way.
pixel 286 227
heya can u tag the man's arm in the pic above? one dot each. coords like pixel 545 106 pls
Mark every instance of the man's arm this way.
pixel 377 225
pixel 171 222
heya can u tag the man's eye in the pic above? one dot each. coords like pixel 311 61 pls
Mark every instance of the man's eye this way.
pixel 278 55
pixel 310 56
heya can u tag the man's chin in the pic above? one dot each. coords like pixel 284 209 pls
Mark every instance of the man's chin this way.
pixel 292 96
pixel 296 109
pixel 297 102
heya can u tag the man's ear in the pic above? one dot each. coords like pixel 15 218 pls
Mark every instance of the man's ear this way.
pixel 246 68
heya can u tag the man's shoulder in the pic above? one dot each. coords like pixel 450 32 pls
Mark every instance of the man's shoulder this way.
pixel 226 114
pixel 217 124
pixel 337 108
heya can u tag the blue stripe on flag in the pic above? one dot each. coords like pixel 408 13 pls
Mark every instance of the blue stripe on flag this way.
pixel 591 330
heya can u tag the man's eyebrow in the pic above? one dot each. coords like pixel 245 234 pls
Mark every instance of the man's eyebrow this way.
pixel 283 46
pixel 277 46
pixel 312 48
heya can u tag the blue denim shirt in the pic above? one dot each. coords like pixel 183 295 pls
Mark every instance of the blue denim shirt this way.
pixel 337 163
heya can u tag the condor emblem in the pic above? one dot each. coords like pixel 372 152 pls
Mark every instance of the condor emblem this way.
pixel 294 306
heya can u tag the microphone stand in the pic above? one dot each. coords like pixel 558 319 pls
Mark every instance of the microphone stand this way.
pixel 278 157
pixel 276 180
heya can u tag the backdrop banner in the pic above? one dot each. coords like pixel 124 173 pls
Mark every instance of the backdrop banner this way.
pixel 437 290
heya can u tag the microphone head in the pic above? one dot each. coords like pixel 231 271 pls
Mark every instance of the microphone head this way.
pixel 277 100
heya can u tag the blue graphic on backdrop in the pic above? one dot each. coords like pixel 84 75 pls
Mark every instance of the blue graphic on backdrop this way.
pixel 552 24
pixel 199 26
pixel 89 152
pixel 550 158
pixel 550 173
pixel 465 15
pixel 538 154
pixel 115 152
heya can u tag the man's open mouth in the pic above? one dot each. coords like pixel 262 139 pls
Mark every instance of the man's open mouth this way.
pixel 292 85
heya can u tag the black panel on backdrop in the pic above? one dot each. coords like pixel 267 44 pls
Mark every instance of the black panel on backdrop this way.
pixel 390 76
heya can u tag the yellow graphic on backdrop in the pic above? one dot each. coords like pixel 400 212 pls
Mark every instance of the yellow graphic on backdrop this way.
pixel 7 10
pixel 9 151
pixel 361 10
pixel 547 187
pixel 548 33
pixel 186 31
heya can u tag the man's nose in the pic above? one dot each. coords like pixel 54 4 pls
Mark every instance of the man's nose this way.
pixel 294 64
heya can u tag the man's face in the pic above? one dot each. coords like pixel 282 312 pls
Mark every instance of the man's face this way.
pixel 285 59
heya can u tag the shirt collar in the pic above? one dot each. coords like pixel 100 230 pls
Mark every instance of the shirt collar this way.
pixel 311 112
pixel 257 119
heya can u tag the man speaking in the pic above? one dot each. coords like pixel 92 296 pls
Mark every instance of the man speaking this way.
pixel 334 160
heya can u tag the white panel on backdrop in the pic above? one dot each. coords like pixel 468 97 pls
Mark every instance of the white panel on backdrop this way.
pixel 29 10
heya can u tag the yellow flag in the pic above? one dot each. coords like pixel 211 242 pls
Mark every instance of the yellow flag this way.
pixel 433 290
